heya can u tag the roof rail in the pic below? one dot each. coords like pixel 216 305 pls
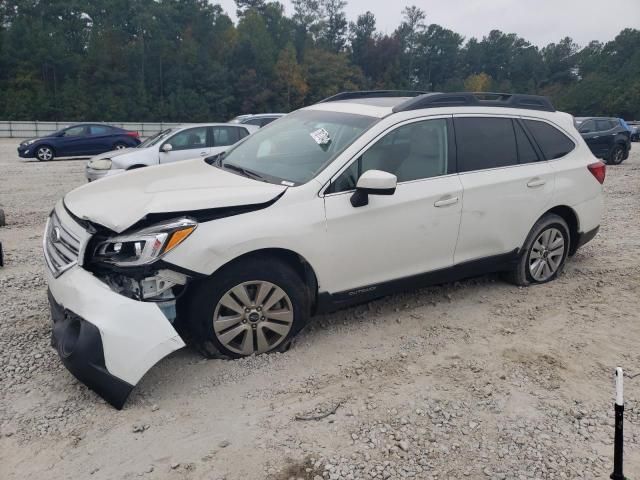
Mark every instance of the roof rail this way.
pixel 371 94
pixel 474 99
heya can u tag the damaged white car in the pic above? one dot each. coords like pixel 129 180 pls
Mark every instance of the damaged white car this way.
pixel 338 203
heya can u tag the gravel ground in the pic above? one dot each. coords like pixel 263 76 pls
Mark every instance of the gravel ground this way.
pixel 477 379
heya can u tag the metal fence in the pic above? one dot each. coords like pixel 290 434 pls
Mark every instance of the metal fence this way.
pixel 11 129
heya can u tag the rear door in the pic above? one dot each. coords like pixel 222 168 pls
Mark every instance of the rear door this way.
pixel 506 185
pixel 224 136
pixel 189 143
pixel 102 138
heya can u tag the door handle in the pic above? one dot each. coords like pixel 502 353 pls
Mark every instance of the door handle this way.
pixel 536 182
pixel 203 154
pixel 596 136
pixel 445 201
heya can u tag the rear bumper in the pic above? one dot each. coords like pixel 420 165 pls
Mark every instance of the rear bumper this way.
pixel 106 340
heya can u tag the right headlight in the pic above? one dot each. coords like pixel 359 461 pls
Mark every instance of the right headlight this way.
pixel 144 246
pixel 100 164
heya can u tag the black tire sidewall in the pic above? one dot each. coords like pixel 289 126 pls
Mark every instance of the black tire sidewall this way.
pixel 612 156
pixel 115 145
pixel 546 222
pixel 205 297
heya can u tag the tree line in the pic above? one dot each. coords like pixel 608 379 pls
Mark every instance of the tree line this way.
pixel 186 60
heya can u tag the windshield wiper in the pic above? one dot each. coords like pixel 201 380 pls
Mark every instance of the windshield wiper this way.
pixel 242 170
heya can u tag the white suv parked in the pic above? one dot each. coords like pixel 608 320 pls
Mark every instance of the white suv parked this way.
pixel 350 199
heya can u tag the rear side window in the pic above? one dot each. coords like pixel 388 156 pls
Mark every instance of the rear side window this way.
pixel 553 143
pixel 100 130
pixel 223 136
pixel 485 143
pixel 526 152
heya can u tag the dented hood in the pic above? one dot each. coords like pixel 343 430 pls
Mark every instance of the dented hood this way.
pixel 120 201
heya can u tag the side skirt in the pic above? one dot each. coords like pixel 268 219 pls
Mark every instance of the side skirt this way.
pixel 330 302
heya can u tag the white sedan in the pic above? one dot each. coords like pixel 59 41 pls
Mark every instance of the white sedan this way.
pixel 168 146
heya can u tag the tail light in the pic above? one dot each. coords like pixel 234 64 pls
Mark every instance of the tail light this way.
pixel 133 134
pixel 598 170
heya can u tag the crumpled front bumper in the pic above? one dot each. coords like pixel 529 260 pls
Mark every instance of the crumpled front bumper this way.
pixel 106 340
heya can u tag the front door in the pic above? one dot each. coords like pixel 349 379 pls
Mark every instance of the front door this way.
pixel 410 232
pixel 186 144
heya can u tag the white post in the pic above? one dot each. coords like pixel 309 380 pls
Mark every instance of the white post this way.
pixel 619 387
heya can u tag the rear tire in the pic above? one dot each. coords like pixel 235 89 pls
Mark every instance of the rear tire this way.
pixel 256 305
pixel 544 252
pixel 45 153
pixel 616 155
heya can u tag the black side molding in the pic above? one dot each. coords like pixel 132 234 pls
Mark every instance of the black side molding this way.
pixel 330 302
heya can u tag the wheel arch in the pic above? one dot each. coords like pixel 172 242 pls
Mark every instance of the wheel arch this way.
pixel 45 144
pixel 293 259
pixel 137 165
pixel 569 215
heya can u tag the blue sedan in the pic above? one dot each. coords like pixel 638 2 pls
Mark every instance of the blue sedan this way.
pixel 78 140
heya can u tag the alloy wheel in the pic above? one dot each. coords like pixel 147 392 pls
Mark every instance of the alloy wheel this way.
pixel 547 254
pixel 120 146
pixel 44 153
pixel 253 317
pixel 618 155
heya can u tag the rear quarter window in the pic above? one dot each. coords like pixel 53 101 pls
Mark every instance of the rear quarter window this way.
pixel 553 143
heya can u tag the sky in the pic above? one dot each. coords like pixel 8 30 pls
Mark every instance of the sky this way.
pixel 539 21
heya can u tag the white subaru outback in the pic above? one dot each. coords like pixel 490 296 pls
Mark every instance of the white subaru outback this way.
pixel 356 197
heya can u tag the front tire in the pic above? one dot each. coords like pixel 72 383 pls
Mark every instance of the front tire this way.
pixel 254 306
pixel 544 253
pixel 44 153
pixel 120 146
pixel 617 155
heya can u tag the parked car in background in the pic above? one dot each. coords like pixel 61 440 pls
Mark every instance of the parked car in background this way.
pixel 607 137
pixel 78 140
pixel 170 145
pixel 354 198
pixel 259 120
pixel 635 130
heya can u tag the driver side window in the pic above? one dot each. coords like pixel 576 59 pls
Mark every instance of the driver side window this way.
pixel 188 139
pixel 411 152
pixel 74 131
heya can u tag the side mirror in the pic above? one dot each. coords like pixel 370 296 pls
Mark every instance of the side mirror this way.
pixel 167 147
pixel 373 182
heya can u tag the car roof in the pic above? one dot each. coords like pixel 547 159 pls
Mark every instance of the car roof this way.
pixel 262 115
pixel 381 103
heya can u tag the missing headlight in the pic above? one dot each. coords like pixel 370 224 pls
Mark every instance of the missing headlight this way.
pixel 163 287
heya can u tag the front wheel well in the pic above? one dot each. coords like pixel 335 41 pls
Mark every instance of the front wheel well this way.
pixel 289 257
pixel 569 216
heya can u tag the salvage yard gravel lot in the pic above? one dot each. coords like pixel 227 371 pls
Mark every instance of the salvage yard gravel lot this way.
pixel 476 379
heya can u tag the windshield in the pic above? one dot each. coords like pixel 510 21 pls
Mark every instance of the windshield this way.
pixel 153 139
pixel 297 147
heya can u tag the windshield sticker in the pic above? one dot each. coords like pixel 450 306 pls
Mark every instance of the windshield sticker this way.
pixel 288 184
pixel 321 136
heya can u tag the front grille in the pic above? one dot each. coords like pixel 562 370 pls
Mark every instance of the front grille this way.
pixel 61 247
